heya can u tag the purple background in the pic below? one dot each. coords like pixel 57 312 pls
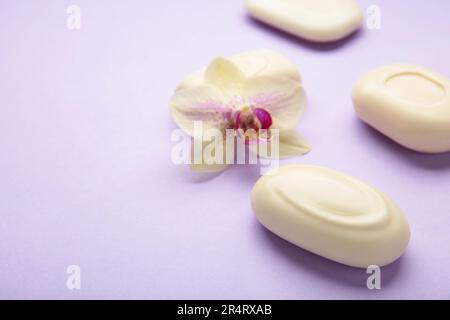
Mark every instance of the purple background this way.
pixel 85 170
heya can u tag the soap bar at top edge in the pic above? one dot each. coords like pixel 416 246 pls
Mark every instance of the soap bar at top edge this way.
pixel 331 214
pixel 252 63
pixel 314 20
pixel 408 103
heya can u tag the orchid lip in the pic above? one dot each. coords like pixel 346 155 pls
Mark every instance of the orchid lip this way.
pixel 249 117
pixel 264 117
pixel 248 122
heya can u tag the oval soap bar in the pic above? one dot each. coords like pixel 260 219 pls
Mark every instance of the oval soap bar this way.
pixel 331 214
pixel 314 20
pixel 410 104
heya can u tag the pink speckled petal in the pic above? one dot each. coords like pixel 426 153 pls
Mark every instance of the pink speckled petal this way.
pixel 203 103
pixel 282 97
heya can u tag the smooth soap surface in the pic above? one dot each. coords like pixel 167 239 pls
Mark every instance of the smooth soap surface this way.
pixel 314 20
pixel 331 214
pixel 410 104
pixel 261 62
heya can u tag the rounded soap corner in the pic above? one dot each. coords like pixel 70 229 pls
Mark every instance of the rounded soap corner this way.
pixel 358 93
pixel 249 4
pixel 359 15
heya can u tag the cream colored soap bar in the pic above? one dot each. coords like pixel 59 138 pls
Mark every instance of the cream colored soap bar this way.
pixel 331 214
pixel 409 104
pixel 262 62
pixel 315 20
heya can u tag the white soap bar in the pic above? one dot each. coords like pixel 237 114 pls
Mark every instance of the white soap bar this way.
pixel 409 104
pixel 252 63
pixel 331 214
pixel 315 20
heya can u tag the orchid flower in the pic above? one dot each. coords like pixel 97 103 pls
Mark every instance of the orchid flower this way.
pixel 228 99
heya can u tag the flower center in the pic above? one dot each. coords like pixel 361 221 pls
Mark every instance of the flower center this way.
pixel 250 120
pixel 249 117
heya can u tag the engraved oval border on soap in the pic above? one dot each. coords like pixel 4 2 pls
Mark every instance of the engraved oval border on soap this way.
pixel 382 215
pixel 430 78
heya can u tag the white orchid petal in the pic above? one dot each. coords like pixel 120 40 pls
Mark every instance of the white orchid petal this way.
pixel 205 160
pixel 283 97
pixel 226 76
pixel 292 144
pixel 203 167
pixel 203 103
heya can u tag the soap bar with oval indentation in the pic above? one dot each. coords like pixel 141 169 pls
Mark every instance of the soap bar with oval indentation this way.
pixel 314 20
pixel 331 214
pixel 410 104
